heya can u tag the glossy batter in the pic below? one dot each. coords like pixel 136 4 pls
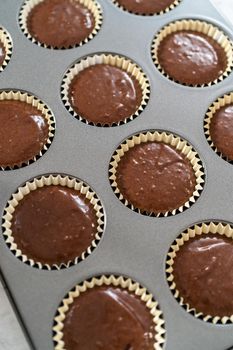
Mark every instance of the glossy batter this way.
pixel 60 23
pixel 54 224
pixel 221 130
pixel 146 7
pixel 204 276
pixel 105 94
pixel 155 177
pixel 191 57
pixel 108 318
pixel 23 132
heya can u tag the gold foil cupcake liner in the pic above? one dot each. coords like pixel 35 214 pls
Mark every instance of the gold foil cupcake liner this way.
pixel 194 231
pixel 92 5
pixel 169 139
pixel 6 40
pixel 221 102
pixel 46 112
pixel 51 180
pixel 116 281
pixel 202 27
pixel 167 9
pixel 113 60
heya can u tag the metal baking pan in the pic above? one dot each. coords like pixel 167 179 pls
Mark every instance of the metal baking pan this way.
pixel 132 244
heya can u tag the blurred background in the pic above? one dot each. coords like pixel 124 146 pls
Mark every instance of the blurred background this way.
pixel 226 7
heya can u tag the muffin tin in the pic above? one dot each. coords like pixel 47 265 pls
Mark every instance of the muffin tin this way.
pixel 132 245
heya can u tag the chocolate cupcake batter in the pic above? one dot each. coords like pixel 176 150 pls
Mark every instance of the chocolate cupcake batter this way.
pixel 221 130
pixel 2 53
pixel 104 94
pixel 192 58
pixel 204 276
pixel 54 224
pixel 155 177
pixel 23 132
pixel 145 7
pixel 108 318
pixel 60 23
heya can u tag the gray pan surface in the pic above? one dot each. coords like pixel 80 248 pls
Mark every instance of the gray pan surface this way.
pixel 133 245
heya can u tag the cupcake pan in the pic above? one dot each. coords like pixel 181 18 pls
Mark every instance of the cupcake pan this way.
pixel 132 245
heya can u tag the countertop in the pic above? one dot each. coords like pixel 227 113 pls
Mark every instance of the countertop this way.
pixel 11 336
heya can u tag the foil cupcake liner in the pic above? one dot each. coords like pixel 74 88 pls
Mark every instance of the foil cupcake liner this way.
pixel 202 27
pixel 92 5
pixel 6 40
pixel 113 60
pixel 221 102
pixel 167 9
pixel 196 230
pixel 169 139
pixel 46 112
pixel 116 281
pixel 50 180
